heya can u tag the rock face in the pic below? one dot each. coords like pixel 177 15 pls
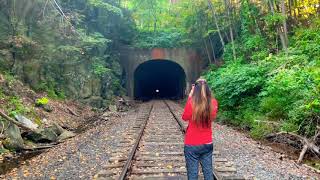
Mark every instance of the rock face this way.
pixel 76 80
pixel 47 108
pixel 13 138
pixel 27 122
pixel 44 135
pixel 50 134
pixel 65 135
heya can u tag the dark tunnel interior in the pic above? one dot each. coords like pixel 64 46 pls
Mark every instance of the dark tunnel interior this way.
pixel 159 79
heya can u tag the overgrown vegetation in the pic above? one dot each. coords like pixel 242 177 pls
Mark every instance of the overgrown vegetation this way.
pixel 60 46
pixel 170 24
pixel 270 87
pixel 10 101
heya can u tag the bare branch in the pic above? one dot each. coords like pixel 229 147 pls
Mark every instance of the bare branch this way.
pixel 15 122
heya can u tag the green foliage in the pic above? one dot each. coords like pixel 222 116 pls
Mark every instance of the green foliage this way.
pixel 253 43
pixel 274 19
pixel 42 101
pixel 260 130
pixel 164 24
pixel 105 6
pixel 51 88
pixel 9 78
pixel 63 50
pixel 117 88
pixel 99 69
pixel 165 39
pixel 235 81
pixel 269 93
pixel 95 40
pixel 3 151
pixel 15 106
pixel 282 90
pixel 307 41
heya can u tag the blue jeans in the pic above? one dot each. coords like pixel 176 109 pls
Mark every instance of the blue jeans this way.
pixel 196 154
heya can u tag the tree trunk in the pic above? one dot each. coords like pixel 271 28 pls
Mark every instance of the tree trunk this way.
pixel 213 51
pixel 155 24
pixel 285 29
pixel 226 36
pixel 318 10
pixel 290 7
pixel 294 3
pixel 216 22
pixel 302 153
pixel 227 5
pixel 308 144
pixel 207 50
pixel 279 31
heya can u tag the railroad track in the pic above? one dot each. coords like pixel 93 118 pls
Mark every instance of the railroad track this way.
pixel 153 148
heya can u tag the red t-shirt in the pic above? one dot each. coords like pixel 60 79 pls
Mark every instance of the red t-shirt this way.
pixel 198 135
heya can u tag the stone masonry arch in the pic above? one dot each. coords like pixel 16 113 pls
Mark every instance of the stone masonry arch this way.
pixel 188 59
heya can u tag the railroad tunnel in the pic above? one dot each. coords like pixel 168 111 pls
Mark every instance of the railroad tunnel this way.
pixel 159 79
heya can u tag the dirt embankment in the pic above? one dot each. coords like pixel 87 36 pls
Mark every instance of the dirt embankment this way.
pixel 18 100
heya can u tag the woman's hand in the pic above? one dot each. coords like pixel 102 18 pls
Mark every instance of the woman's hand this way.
pixel 191 91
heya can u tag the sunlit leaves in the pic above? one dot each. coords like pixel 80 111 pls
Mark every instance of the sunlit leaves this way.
pixel 106 6
pixel 235 81
pixel 165 39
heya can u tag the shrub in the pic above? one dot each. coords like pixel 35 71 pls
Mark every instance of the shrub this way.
pixel 15 106
pixel 51 88
pixel 261 129
pixel 235 82
pixel 42 101
pixel 269 92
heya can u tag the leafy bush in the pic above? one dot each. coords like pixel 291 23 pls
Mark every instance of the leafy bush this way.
pixel 281 91
pixel 260 130
pixel 235 81
pixel 99 68
pixel 42 101
pixel 51 87
pixel 15 106
pixel 270 92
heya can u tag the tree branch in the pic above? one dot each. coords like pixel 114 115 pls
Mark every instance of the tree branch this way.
pixel 2 114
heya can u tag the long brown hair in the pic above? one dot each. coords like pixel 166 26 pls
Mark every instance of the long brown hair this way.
pixel 201 103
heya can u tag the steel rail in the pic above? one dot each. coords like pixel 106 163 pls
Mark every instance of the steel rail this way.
pixel 176 118
pixel 124 172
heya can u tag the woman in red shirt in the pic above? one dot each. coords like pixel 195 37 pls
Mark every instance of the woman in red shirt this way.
pixel 201 109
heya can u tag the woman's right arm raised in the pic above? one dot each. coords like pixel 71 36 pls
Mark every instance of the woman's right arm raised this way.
pixel 187 113
pixel 214 109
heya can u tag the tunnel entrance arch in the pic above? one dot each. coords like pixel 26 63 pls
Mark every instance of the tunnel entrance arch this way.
pixel 159 79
